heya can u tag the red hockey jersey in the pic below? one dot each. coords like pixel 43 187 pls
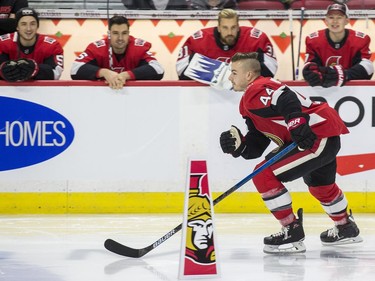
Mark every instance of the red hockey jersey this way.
pixel 97 54
pixel 206 42
pixel 46 50
pixel 264 91
pixel 321 50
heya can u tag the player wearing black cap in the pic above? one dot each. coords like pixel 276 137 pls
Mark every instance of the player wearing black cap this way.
pixel 26 54
pixel 335 55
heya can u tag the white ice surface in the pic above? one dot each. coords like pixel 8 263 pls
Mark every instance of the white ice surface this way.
pixel 70 248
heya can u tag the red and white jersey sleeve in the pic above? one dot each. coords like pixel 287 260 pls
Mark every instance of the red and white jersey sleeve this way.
pixel 259 104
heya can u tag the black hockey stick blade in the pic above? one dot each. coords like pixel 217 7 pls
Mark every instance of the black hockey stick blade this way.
pixel 122 250
pixel 126 251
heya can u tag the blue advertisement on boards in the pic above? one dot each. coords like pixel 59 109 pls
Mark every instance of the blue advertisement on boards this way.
pixel 30 133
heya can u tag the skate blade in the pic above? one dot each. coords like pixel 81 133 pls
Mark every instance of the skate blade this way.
pixel 286 249
pixel 346 241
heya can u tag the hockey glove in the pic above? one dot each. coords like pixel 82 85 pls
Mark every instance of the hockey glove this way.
pixel 9 71
pixel 28 69
pixel 231 142
pixel 300 131
pixel 312 74
pixel 333 76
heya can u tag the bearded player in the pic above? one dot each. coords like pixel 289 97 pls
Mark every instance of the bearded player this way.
pixel 206 54
pixel 335 55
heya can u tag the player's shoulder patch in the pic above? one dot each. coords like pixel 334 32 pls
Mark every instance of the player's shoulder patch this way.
pixel 313 35
pixel 197 35
pixel 139 42
pixel 49 40
pixel 360 34
pixel 99 43
pixel 255 33
pixel 5 37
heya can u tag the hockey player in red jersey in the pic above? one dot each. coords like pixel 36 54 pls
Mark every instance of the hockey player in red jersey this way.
pixel 335 55
pixel 27 54
pixel 116 59
pixel 275 112
pixel 220 44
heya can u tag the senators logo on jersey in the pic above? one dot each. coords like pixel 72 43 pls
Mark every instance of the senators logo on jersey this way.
pixel 333 60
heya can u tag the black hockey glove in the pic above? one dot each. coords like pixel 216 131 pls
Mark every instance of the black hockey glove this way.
pixel 232 142
pixel 28 69
pixel 333 76
pixel 300 131
pixel 9 71
pixel 312 74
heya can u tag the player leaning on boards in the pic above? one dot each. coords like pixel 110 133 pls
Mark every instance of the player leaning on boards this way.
pixel 205 55
pixel 26 54
pixel 335 55
pixel 118 58
pixel 273 111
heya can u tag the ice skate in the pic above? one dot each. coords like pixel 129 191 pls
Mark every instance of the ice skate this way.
pixel 288 240
pixel 342 234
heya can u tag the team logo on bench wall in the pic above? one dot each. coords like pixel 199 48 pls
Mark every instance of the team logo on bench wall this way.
pixel 30 133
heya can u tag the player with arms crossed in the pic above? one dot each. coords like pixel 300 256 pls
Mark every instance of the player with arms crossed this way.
pixel 335 55
pixel 273 111
pixel 26 54
pixel 117 58
pixel 205 55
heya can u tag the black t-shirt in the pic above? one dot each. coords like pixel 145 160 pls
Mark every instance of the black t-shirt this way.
pixel 7 7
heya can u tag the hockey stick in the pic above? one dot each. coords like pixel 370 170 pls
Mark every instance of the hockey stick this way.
pixel 291 41
pixel 110 53
pixel 300 38
pixel 126 251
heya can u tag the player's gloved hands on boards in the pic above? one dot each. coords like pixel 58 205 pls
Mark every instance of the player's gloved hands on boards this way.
pixel 28 69
pixel 333 76
pixel 9 71
pixel 232 142
pixel 312 75
pixel 300 130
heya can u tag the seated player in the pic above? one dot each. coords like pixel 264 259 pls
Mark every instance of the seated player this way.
pixel 335 55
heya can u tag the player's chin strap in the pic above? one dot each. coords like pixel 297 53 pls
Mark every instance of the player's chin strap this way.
pixel 209 71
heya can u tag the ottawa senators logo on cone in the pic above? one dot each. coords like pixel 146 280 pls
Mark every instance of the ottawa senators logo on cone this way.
pixel 198 257
pixel 199 239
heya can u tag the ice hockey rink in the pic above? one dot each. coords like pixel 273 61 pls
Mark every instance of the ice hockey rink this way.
pixel 70 248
